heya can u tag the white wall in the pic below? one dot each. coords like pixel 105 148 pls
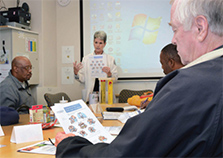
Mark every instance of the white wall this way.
pixel 59 26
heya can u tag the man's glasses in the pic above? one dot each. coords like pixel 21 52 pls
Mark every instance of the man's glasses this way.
pixel 27 68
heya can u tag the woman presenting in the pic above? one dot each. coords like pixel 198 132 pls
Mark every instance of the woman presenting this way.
pixel 82 72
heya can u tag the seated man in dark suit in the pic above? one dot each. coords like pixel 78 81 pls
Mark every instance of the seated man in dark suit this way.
pixel 170 61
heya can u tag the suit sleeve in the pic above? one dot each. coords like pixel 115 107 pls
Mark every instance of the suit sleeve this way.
pixel 79 147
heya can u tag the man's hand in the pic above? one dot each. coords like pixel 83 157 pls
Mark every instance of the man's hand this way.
pixel 144 104
pixel 60 136
pixel 77 67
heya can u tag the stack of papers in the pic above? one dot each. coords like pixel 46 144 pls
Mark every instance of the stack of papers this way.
pixel 111 115
pixel 129 108
pixel 125 116
pixel 114 130
pixel 122 116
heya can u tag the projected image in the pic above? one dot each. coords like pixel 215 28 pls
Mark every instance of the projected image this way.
pixel 148 30
pixel 136 30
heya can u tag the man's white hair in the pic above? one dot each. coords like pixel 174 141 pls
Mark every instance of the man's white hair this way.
pixel 186 10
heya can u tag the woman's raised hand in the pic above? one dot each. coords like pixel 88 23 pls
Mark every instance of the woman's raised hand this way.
pixel 77 67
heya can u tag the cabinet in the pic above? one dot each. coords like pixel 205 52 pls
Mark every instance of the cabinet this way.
pixel 16 42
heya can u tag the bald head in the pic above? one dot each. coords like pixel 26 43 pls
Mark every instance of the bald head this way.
pixel 19 60
pixel 21 68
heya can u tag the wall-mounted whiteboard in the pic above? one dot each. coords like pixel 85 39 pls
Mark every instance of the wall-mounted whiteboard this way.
pixel 136 30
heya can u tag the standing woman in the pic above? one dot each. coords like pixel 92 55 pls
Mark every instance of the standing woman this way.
pixel 82 73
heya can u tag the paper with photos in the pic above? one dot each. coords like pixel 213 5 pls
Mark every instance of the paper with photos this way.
pixel 75 117
pixel 44 147
pixel 96 63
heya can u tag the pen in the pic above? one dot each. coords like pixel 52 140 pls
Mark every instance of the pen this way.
pixel 145 101
pixel 139 111
pixel 51 141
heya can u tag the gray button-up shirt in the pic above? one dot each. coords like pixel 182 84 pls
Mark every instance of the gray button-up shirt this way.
pixel 12 93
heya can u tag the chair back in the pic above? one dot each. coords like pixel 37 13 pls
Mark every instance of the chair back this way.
pixel 127 93
pixel 55 98
pixel 23 109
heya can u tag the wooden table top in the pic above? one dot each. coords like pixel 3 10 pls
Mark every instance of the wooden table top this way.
pixel 10 150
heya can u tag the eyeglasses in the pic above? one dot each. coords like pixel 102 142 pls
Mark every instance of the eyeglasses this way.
pixel 27 68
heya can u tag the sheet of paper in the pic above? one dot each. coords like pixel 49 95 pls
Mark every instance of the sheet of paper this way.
pixel 129 108
pixel 1 131
pixel 115 115
pixel 114 130
pixel 26 133
pixel 76 117
pixel 44 147
pixel 126 115
pixel 111 115
pixel 2 146
pixel 96 63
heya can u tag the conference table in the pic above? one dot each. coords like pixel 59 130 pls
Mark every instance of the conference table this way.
pixel 10 150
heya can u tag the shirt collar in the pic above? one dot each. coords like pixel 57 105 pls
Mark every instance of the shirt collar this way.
pixel 218 47
pixel 18 83
pixel 97 54
pixel 25 86
pixel 208 56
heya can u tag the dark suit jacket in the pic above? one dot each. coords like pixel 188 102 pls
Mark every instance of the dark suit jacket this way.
pixel 184 119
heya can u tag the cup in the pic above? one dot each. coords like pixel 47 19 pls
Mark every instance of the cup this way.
pixel 93 98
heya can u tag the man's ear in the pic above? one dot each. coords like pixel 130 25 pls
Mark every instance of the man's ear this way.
pixel 171 63
pixel 201 24
pixel 15 68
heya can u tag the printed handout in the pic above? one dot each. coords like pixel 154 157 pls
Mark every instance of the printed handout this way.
pixel 96 63
pixel 76 117
pixel 44 147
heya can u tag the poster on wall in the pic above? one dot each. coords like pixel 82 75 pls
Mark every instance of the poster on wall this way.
pixel 67 54
pixel 31 45
pixel 67 75
pixel 5 65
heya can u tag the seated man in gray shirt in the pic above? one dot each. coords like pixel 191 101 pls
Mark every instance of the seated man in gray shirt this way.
pixel 14 89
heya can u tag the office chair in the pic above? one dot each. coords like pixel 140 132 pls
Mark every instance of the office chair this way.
pixel 24 109
pixel 127 93
pixel 55 98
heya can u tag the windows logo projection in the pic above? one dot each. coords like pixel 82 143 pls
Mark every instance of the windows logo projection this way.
pixel 145 29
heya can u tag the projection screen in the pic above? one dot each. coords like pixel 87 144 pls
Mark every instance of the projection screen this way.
pixel 136 30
